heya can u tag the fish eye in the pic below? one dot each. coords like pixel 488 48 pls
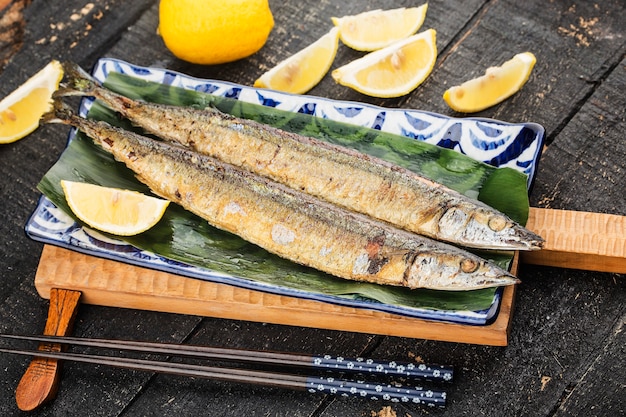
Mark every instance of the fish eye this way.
pixel 497 223
pixel 469 265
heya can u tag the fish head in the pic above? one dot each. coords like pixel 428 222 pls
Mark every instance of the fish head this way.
pixel 454 271
pixel 486 229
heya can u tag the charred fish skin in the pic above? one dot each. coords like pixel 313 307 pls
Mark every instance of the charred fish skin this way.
pixel 337 174
pixel 288 223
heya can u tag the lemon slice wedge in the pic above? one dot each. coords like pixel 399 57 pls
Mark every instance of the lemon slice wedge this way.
pixel 376 29
pixel 393 71
pixel 21 110
pixel 496 85
pixel 112 210
pixel 305 69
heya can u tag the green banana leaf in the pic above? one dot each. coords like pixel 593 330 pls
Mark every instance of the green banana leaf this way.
pixel 184 237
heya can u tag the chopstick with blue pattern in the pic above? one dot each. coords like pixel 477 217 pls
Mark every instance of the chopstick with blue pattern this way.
pixel 324 383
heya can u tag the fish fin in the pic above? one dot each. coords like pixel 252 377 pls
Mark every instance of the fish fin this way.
pixel 65 90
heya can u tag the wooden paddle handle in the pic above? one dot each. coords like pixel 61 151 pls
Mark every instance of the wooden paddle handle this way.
pixel 41 379
pixel 578 240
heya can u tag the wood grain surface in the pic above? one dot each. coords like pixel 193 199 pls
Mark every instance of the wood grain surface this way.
pixel 566 347
pixel 579 240
pixel 116 284
pixel 41 380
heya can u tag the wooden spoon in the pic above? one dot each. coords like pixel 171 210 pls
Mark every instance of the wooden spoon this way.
pixel 40 382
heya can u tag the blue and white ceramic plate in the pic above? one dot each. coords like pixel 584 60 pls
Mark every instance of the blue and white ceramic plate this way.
pixel 517 146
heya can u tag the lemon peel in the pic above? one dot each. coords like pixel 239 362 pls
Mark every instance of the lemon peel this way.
pixel 214 31
pixel 393 71
pixel 21 110
pixel 113 210
pixel 496 85
pixel 377 29
pixel 303 70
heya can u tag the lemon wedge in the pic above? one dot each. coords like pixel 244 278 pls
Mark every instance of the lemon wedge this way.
pixel 303 70
pixel 496 85
pixel 21 110
pixel 393 71
pixel 112 210
pixel 376 29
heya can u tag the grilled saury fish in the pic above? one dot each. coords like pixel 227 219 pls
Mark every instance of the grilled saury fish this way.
pixel 287 222
pixel 340 175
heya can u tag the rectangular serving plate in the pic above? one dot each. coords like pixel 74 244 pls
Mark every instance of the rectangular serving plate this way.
pixel 501 144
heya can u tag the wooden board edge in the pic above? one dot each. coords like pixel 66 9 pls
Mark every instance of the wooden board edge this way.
pixel 115 284
pixel 569 260
pixel 578 240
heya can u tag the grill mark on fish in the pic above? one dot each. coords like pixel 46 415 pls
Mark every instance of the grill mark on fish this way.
pixel 373 248
pixel 340 175
pixel 286 222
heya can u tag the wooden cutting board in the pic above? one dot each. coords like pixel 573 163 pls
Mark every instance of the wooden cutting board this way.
pixel 573 239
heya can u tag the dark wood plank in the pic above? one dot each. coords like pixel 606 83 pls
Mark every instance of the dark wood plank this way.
pixel 602 375
pixel 114 388
pixel 566 335
pixel 583 169
pixel 564 76
pixel 11 29
pixel 168 396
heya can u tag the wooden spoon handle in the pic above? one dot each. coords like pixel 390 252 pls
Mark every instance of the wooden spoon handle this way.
pixel 41 379
pixel 578 240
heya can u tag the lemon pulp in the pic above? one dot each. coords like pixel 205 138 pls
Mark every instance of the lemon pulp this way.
pixel 392 71
pixel 21 110
pixel 112 210
pixel 496 85
pixel 303 70
pixel 377 29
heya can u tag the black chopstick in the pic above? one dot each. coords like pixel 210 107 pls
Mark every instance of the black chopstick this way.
pixel 313 384
pixel 424 372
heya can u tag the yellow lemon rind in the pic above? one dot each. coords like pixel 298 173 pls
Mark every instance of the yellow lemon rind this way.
pixel 149 209
pixel 211 32
pixel 377 29
pixel 349 74
pixel 303 70
pixel 478 93
pixel 48 78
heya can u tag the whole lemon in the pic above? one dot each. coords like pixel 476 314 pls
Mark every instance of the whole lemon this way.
pixel 214 31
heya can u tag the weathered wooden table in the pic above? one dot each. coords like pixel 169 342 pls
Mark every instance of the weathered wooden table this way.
pixel 566 346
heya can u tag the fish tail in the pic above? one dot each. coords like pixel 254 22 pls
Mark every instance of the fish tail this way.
pixel 60 113
pixel 77 82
